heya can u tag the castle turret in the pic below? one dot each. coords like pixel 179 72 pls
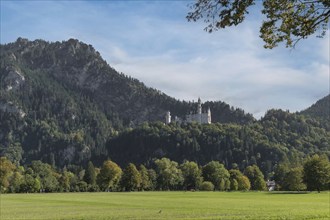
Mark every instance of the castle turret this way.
pixel 209 115
pixel 168 117
pixel 199 107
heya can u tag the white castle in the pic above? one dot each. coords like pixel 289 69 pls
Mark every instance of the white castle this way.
pixel 199 117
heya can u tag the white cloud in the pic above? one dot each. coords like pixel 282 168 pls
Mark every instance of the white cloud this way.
pixel 249 76
pixel 154 43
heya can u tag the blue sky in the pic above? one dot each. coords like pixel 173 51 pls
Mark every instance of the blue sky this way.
pixel 153 42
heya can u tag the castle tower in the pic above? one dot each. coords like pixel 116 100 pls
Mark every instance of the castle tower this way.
pixel 200 117
pixel 209 115
pixel 199 107
pixel 168 117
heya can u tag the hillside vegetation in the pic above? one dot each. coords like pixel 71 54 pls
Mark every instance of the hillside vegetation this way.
pixel 321 111
pixel 61 103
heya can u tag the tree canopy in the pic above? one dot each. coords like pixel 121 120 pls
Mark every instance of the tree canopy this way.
pixel 256 177
pixel 161 174
pixel 217 174
pixel 131 178
pixel 317 173
pixel 169 175
pixel 192 175
pixel 109 176
pixel 286 21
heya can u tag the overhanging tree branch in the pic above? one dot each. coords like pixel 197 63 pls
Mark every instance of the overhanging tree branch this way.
pixel 286 19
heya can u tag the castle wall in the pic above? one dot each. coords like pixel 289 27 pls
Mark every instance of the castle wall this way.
pixel 201 118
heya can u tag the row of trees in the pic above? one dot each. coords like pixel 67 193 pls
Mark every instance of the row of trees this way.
pixel 314 174
pixel 164 174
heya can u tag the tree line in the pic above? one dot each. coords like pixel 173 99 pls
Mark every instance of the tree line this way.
pixel 163 174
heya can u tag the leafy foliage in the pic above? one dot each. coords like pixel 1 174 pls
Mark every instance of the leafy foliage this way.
pixel 6 170
pixel 238 181
pixel 294 180
pixel 131 178
pixel 147 182
pixel 207 186
pixel 192 175
pixel 286 21
pixel 256 177
pixel 169 176
pixel 317 173
pixel 90 174
pixel 217 174
pixel 109 176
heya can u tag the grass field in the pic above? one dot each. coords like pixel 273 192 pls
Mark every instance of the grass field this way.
pixel 166 205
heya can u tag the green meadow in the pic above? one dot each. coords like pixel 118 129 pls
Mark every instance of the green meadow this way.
pixel 166 205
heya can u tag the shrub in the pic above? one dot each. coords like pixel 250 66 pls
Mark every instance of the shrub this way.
pixel 206 186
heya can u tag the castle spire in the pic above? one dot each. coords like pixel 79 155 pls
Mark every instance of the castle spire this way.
pixel 209 115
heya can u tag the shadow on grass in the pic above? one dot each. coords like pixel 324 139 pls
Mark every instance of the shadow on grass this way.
pixel 288 192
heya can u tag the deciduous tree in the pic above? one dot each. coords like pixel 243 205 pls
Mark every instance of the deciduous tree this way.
pixel 109 176
pixel 15 182
pixel 131 178
pixel 294 180
pixel 46 174
pixel 169 176
pixel 30 184
pixel 244 184
pixel 317 173
pixel 280 174
pixel 146 182
pixel 238 181
pixel 256 177
pixel 192 175
pixel 6 170
pixel 207 186
pixel 286 21
pixel 216 173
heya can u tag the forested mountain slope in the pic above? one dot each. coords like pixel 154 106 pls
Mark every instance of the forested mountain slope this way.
pixel 61 102
pixel 320 111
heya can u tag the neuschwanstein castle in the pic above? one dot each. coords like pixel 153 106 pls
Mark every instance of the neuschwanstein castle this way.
pixel 199 117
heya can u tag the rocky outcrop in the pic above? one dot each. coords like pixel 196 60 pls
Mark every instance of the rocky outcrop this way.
pixel 11 108
pixel 14 78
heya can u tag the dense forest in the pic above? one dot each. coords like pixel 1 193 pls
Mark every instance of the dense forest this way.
pixel 62 104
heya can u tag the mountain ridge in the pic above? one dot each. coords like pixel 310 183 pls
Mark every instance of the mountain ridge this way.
pixel 62 100
pixel 320 110
pixel 83 67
